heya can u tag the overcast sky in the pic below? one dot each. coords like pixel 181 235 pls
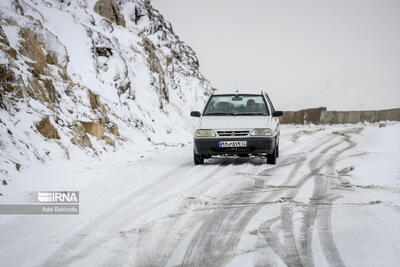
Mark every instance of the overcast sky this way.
pixel 343 54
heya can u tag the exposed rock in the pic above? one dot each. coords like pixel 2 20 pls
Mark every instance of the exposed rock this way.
pixel 137 15
pixel 114 129
pixel 12 53
pixel 125 87
pixel 17 166
pixel 94 100
pixel 156 67
pixel 31 48
pixel 9 87
pixel 35 90
pixel 7 76
pixel 83 141
pixel 2 106
pixel 51 91
pixel 47 129
pixel 51 58
pixel 78 129
pixel 94 128
pixel 103 51
pixel 109 9
pixel 81 138
pixel 108 140
pixel 103 121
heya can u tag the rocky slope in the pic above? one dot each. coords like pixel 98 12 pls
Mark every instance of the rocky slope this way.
pixel 90 75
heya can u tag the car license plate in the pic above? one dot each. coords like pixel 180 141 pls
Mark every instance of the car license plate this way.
pixel 232 144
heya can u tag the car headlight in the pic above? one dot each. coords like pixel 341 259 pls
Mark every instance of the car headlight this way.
pixel 261 132
pixel 204 133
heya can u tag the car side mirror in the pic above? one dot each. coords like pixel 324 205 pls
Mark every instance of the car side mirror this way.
pixel 277 114
pixel 195 114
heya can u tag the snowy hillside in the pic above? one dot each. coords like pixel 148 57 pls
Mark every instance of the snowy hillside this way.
pixel 89 76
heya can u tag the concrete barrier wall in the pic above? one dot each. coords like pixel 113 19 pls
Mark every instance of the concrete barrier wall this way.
pixel 296 117
pixel 322 116
pixel 388 115
pixel 313 115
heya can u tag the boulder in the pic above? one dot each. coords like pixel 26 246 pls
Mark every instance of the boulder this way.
pixel 110 10
pixel 108 140
pixel 78 129
pixel 114 129
pixel 94 128
pixel 83 141
pixel 47 129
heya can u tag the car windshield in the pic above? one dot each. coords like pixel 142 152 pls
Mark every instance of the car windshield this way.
pixel 236 105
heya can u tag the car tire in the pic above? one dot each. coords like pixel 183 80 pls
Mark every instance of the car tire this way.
pixel 198 159
pixel 271 158
pixel 277 150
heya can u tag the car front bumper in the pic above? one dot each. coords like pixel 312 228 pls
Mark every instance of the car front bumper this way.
pixel 255 146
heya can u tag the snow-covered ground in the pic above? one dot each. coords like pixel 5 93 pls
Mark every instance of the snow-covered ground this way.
pixel 333 199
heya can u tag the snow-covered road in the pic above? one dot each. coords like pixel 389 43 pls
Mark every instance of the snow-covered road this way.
pixel 333 199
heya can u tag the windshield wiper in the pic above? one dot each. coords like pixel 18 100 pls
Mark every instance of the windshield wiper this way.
pixel 220 114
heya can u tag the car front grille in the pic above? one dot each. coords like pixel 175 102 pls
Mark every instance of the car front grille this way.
pixel 233 133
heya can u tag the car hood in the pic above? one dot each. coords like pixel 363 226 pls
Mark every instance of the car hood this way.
pixel 235 122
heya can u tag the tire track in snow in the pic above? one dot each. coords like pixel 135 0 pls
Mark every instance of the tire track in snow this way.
pixel 214 243
pixel 318 194
pixel 220 233
pixel 194 256
pixel 324 214
pixel 291 256
pixel 289 238
pixel 312 213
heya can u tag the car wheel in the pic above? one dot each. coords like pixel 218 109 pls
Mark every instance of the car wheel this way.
pixel 271 158
pixel 198 159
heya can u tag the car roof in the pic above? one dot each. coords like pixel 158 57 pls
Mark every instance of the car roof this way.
pixel 238 91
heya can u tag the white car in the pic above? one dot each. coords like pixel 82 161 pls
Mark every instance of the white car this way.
pixel 237 123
